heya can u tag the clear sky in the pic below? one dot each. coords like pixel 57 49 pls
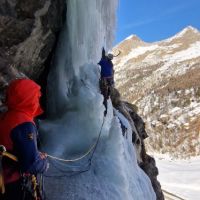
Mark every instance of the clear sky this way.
pixel 154 20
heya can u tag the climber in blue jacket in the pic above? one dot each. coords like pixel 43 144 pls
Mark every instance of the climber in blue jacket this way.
pixel 107 76
pixel 106 64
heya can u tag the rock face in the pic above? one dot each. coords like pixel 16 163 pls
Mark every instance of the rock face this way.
pixel 162 80
pixel 146 162
pixel 28 31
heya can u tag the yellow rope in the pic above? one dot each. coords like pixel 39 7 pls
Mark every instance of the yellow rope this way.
pixel 84 155
pixel 5 153
pixel 75 159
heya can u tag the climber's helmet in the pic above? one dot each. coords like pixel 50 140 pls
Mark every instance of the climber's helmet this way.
pixel 110 56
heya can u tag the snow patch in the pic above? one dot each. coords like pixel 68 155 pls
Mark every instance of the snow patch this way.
pixel 182 33
pixel 130 37
pixel 179 177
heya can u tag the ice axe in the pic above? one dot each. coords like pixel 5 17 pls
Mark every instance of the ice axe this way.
pixel 3 153
pixel 119 52
pixel 2 186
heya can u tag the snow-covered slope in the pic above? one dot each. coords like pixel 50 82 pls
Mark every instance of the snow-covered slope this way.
pixel 180 177
pixel 162 79
pixel 75 110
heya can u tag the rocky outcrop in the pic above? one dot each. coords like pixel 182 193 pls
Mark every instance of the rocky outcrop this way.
pixel 28 35
pixel 28 31
pixel 146 162
pixel 149 167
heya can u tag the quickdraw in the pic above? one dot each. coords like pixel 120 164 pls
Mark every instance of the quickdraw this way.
pixel 30 188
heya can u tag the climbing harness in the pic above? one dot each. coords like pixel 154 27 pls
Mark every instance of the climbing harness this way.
pixel 30 187
pixel 105 85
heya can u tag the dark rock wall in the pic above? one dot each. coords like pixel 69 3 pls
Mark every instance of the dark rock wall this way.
pixel 28 30
pixel 28 33
pixel 148 163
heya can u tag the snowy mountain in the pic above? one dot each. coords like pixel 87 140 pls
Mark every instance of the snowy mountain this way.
pixel 162 80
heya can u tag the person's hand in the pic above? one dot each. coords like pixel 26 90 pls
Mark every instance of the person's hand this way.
pixel 43 155
pixel 103 53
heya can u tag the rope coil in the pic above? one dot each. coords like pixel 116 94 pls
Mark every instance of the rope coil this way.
pixel 73 173
pixel 93 147
pixel 75 159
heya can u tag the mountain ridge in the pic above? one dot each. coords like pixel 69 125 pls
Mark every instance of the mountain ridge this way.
pixel 161 78
pixel 181 32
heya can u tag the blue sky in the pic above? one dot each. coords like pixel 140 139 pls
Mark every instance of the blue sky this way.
pixel 154 20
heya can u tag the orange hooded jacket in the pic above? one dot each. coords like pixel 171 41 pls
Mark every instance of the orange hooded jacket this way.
pixel 22 100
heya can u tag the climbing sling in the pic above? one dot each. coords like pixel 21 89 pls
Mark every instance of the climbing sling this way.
pixel 31 190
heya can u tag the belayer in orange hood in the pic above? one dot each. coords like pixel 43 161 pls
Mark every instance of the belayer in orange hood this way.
pixel 23 96
pixel 18 134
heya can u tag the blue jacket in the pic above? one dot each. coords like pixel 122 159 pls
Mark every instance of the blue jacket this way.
pixel 24 138
pixel 106 67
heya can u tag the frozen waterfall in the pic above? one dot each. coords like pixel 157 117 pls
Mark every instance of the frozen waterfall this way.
pixel 75 115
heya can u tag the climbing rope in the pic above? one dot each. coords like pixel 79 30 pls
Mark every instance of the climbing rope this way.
pixel 67 173
pixel 85 154
pixel 75 159
pixel 91 150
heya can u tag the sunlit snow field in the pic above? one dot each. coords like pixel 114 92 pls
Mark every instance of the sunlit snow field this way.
pixel 180 177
